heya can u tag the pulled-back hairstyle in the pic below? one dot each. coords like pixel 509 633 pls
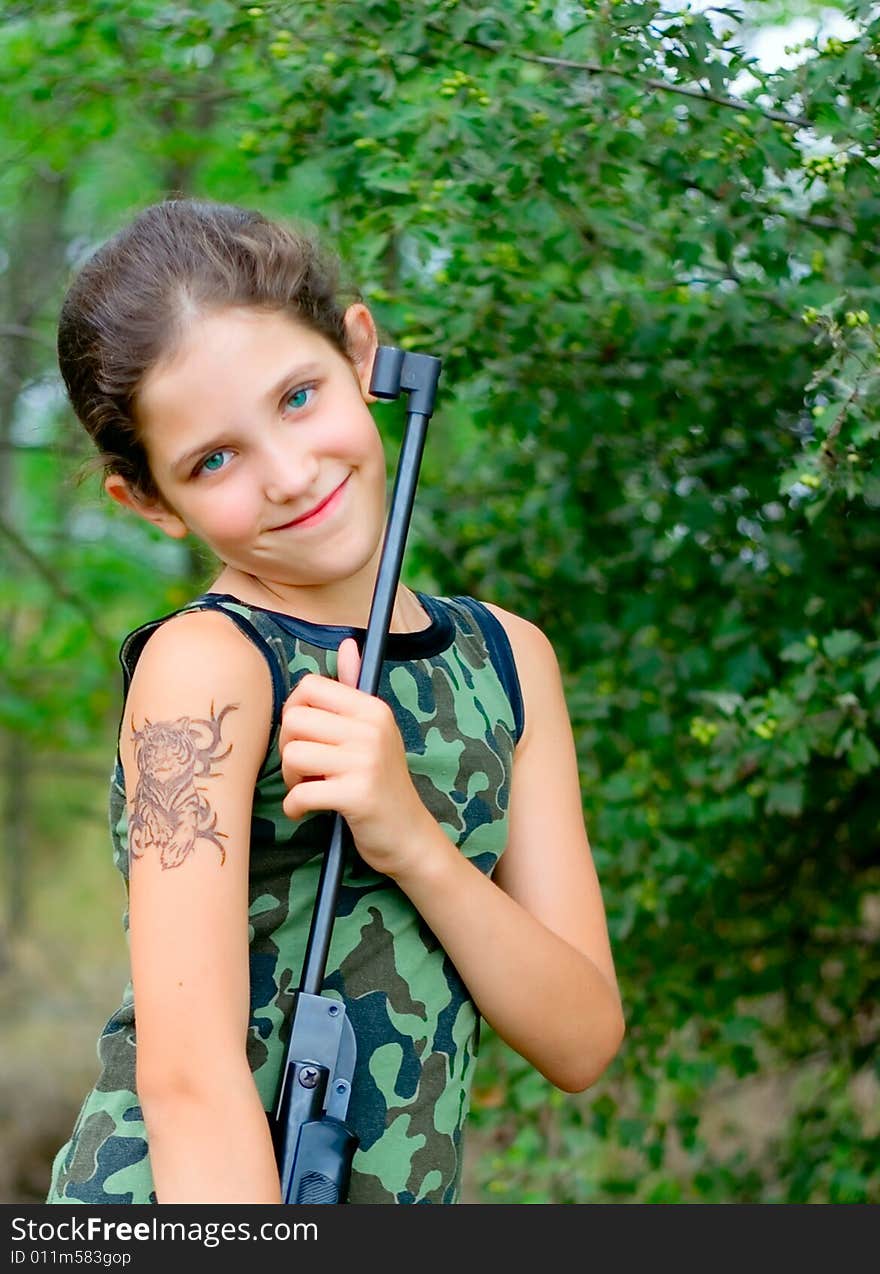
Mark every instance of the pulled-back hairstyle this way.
pixel 130 304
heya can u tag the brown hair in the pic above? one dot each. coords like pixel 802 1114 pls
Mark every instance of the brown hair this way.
pixel 131 302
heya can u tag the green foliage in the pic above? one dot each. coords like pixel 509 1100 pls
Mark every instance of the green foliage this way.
pixel 650 267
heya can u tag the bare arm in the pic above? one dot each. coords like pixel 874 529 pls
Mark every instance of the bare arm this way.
pixel 532 943
pixel 194 735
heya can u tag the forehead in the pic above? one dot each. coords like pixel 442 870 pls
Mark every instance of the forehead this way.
pixel 228 349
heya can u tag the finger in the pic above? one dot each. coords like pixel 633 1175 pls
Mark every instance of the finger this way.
pixel 302 759
pixel 300 721
pixel 348 662
pixel 313 793
pixel 317 691
pixel 335 696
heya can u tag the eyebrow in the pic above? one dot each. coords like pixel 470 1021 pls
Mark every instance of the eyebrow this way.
pixel 304 370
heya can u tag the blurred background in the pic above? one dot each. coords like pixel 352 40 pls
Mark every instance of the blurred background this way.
pixel 643 237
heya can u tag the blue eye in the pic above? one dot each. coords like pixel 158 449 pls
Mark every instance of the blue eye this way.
pixel 205 466
pixel 297 393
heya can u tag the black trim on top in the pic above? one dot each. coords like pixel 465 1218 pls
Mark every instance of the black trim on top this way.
pixel 133 645
pixel 501 654
pixel 433 640
pixel 399 647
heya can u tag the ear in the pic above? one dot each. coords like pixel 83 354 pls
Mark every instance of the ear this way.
pixel 363 342
pixel 152 510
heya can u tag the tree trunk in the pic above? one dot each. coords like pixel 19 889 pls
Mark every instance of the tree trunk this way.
pixel 35 261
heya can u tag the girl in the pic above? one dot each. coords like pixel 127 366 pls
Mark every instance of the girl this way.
pixel 205 351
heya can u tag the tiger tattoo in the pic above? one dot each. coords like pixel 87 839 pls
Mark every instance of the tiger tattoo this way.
pixel 169 811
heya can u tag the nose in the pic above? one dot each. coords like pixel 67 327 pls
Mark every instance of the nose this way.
pixel 289 473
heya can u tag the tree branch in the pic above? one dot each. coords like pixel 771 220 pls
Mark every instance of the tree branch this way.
pixel 51 448
pixel 26 334
pixel 815 223
pixel 796 121
pixel 697 95
pixel 60 589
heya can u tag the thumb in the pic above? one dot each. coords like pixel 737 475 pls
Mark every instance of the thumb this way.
pixel 348 663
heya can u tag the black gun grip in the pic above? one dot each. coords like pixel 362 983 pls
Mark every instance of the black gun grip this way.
pixel 323 1162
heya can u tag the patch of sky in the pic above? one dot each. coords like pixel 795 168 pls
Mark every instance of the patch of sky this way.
pixel 749 528
pixel 774 44
pixel 773 512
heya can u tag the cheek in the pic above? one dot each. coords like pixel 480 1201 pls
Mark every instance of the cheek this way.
pixel 373 455
pixel 230 513
pixel 351 431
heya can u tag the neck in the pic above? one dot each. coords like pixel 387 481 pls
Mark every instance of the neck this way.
pixel 348 606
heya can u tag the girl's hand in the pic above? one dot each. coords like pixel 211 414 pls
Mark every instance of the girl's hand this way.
pixel 341 749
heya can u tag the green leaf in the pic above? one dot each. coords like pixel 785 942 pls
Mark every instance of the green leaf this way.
pixel 740 1029
pixel 863 756
pixel 798 652
pixel 871 674
pixel 786 798
pixel 840 643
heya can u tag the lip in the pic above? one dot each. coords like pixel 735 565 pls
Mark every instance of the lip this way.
pixel 320 511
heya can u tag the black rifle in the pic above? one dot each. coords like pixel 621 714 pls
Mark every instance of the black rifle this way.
pixel 313 1145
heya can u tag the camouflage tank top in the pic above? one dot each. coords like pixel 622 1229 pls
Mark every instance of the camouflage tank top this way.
pixel 455 695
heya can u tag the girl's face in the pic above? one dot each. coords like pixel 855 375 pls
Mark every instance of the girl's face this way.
pixel 252 423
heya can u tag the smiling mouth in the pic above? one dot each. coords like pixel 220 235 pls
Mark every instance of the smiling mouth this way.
pixel 319 508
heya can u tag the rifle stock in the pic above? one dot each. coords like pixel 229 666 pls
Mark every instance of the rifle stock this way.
pixel 313 1146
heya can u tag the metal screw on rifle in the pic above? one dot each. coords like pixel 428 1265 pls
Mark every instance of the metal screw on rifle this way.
pixel 308 1077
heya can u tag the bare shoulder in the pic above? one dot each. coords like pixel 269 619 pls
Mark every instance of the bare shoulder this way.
pixel 205 642
pixel 197 663
pixel 520 631
pixel 536 665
